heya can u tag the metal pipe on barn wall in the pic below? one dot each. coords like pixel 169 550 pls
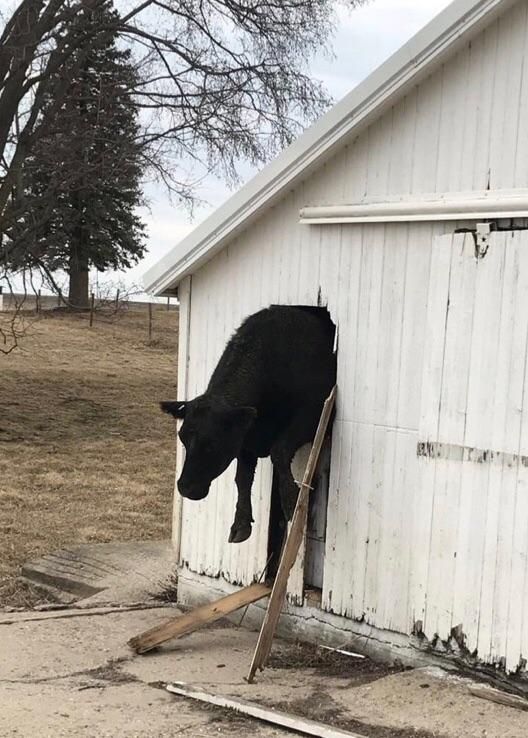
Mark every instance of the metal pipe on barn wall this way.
pixel 435 207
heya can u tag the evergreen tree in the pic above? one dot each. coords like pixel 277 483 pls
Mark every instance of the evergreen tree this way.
pixel 80 185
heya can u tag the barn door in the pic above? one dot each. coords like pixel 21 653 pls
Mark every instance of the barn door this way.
pixel 470 530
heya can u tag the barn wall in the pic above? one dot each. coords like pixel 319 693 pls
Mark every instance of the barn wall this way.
pixel 389 523
pixel 462 128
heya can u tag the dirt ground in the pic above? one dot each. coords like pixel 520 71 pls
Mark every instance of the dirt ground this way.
pixel 85 453
pixel 72 674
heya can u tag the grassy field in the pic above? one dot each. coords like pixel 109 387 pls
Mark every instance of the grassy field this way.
pixel 85 453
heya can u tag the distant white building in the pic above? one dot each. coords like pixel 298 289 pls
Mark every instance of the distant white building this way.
pixel 403 211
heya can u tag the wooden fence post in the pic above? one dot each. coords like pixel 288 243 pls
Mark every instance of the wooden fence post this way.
pixel 168 302
pixel 92 305
pixel 150 322
pixel 117 299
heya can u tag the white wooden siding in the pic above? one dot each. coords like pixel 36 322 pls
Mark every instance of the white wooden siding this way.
pixel 474 397
pixel 410 539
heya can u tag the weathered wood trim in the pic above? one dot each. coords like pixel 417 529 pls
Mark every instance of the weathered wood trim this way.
pixel 184 333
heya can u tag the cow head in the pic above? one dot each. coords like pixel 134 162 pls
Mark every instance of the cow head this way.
pixel 212 433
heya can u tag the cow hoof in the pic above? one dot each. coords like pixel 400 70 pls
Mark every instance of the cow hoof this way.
pixel 239 533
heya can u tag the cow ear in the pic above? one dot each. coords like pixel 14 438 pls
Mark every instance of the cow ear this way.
pixel 242 416
pixel 174 408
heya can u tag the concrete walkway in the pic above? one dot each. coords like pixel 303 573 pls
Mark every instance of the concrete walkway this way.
pixel 71 674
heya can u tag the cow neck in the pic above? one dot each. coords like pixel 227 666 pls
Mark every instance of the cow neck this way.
pixel 236 382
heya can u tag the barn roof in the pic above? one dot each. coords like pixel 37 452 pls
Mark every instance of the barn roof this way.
pixel 404 69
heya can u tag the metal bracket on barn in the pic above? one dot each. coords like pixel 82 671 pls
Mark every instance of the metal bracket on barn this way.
pixel 482 239
pixel 191 621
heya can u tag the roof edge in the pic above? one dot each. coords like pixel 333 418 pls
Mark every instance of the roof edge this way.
pixel 400 70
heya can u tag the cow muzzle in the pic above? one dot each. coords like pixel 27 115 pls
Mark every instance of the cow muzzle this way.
pixel 192 492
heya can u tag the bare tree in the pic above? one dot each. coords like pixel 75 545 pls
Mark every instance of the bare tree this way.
pixel 219 81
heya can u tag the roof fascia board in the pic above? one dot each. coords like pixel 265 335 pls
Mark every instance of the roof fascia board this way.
pixel 407 66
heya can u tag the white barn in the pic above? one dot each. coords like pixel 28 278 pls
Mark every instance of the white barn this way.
pixel 403 210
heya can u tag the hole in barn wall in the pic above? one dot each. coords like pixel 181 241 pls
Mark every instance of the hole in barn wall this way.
pixel 317 511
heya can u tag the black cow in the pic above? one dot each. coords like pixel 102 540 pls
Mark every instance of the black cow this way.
pixel 264 399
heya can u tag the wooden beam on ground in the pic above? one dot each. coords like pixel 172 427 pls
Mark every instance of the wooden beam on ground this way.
pixel 275 717
pixel 500 698
pixel 183 624
pixel 291 547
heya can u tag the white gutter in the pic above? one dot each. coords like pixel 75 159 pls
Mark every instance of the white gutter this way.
pixel 474 206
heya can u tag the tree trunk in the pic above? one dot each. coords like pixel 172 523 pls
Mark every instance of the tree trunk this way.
pixel 78 294
pixel 78 291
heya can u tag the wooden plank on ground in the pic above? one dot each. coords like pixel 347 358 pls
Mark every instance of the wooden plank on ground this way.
pixel 291 547
pixel 275 717
pixel 501 698
pixel 183 624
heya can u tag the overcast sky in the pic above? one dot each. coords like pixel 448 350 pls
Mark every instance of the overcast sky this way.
pixel 365 38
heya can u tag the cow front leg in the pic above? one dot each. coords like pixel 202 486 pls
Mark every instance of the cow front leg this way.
pixel 245 473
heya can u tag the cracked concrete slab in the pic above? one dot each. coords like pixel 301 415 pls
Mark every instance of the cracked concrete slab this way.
pixel 71 677
pixel 105 572
pixel 75 676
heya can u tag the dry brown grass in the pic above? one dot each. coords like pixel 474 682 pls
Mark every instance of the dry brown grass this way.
pixel 85 453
